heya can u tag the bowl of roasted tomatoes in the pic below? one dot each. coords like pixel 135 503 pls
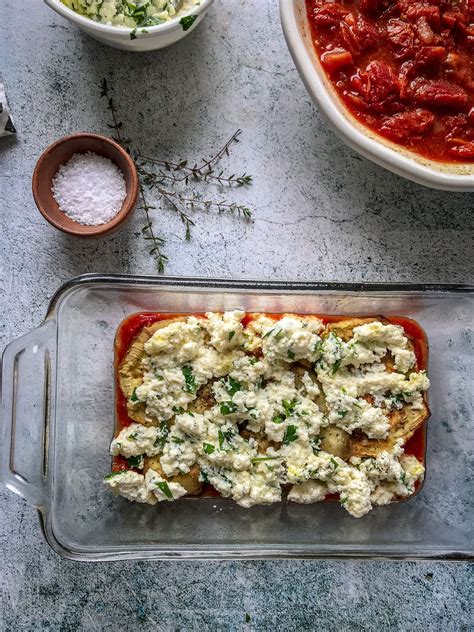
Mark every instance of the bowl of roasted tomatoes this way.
pixel 395 80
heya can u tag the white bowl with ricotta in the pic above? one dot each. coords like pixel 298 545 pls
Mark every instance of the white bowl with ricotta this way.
pixel 437 175
pixel 138 39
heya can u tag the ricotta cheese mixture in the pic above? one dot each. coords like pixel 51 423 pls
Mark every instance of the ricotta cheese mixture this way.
pixel 138 14
pixel 272 387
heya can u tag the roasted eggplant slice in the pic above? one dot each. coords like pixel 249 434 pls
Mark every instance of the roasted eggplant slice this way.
pixel 130 371
pixel 189 481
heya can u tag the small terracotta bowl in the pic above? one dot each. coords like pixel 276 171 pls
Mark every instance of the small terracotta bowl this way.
pixel 58 154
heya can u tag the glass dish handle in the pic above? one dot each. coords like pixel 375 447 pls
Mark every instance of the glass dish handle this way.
pixel 25 387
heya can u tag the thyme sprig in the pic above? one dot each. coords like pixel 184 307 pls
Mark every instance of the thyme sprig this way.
pixel 148 233
pixel 170 176
pixel 203 172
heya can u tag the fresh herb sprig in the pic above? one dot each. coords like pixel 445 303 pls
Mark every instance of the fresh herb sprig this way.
pixel 148 232
pixel 171 175
pixel 203 172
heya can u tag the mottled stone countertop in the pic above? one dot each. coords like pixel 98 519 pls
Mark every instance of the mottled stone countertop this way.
pixel 321 213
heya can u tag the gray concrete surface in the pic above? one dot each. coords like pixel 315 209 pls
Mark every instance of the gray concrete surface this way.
pixel 320 212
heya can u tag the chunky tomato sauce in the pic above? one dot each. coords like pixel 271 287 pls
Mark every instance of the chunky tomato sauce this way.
pixel 404 68
pixel 129 329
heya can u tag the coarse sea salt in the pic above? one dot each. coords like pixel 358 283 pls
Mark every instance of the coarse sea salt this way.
pixel 89 189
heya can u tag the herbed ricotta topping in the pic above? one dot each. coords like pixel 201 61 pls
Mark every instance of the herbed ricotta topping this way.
pixel 122 13
pixel 149 488
pixel 272 386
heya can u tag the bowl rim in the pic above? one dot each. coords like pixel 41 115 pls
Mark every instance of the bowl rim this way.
pixel 101 229
pixel 123 32
pixel 369 146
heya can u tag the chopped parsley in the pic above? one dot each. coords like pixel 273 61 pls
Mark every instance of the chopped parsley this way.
pixel 187 21
pixel 189 379
pixel 260 459
pixel 133 34
pixel 225 436
pixel 341 413
pixel 177 440
pixel 335 366
pixel 112 474
pixel 133 436
pixel 291 354
pixel 208 448
pixel 290 435
pixel 316 445
pixel 162 435
pixel 178 410
pixel 335 463
pixel 133 396
pixel 289 407
pixel 232 386
pixel 203 477
pixel 163 485
pixel 231 335
pixel 136 461
pixel 152 21
pixel 227 408
pixel 318 347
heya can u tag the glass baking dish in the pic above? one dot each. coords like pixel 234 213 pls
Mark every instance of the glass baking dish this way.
pixel 58 420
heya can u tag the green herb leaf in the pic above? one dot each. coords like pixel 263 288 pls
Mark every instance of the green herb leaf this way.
pixel 162 435
pixel 208 448
pixel 278 419
pixel 177 440
pixel 290 354
pixel 318 347
pixel 152 21
pixel 289 407
pixel 112 474
pixel 163 485
pixel 290 435
pixel 335 463
pixel 228 408
pixel 224 436
pixel 133 34
pixel 259 459
pixel 190 380
pixel 335 367
pixel 316 445
pixel 232 386
pixel 231 335
pixel 187 21
pixel 133 396
pixel 133 436
pixel 203 476
pixel 178 410
pixel 135 461
pixel 341 413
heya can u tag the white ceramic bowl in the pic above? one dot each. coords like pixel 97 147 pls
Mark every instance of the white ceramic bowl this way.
pixel 437 175
pixel 155 37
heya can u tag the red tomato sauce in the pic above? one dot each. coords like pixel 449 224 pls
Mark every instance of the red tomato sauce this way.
pixel 404 69
pixel 129 329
